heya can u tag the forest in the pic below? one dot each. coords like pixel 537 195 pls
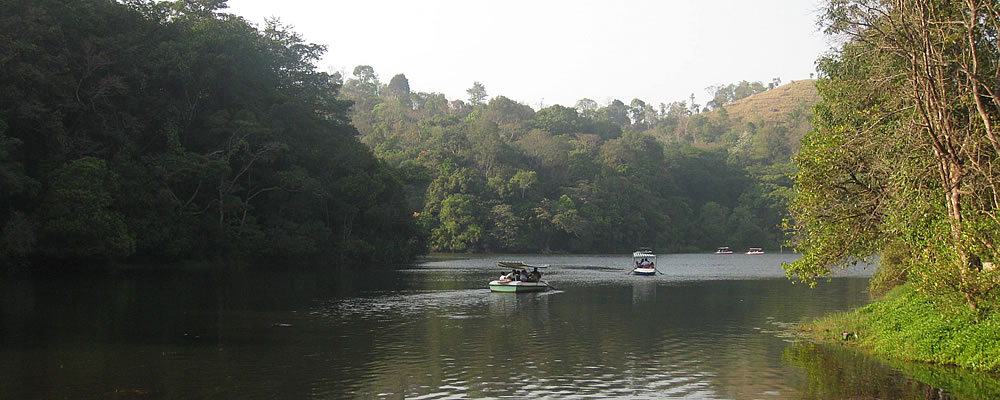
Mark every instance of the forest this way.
pixel 153 132
pixel 495 175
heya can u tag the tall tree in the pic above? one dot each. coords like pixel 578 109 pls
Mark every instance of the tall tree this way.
pixel 399 90
pixel 923 75
pixel 477 93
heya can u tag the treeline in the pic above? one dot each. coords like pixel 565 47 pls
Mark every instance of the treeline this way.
pixel 496 175
pixel 147 131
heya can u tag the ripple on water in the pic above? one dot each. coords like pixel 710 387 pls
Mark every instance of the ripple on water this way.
pixel 403 304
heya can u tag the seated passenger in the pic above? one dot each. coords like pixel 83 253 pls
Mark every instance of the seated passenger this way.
pixel 535 275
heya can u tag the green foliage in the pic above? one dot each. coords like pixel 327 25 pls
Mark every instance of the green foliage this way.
pixel 893 269
pixel 477 93
pixel 163 131
pixel 900 147
pixel 459 228
pixel 907 325
pixel 77 221
pixel 583 180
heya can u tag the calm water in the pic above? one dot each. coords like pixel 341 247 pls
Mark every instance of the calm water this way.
pixel 709 327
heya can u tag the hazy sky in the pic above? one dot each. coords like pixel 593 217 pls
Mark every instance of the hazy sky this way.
pixel 555 51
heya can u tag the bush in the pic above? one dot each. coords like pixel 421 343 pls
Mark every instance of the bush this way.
pixel 893 269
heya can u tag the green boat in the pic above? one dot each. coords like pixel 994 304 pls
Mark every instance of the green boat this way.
pixel 507 283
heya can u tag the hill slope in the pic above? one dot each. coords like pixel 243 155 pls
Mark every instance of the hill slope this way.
pixel 789 105
pixel 775 105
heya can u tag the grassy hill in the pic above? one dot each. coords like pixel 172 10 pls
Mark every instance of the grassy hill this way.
pixel 775 105
pixel 790 104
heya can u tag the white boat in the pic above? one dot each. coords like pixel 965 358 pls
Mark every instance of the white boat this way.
pixel 723 250
pixel 644 262
pixel 507 284
pixel 754 251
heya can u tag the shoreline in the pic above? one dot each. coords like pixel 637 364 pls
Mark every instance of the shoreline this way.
pixel 904 326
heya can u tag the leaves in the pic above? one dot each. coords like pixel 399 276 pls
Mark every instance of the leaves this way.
pixel 170 130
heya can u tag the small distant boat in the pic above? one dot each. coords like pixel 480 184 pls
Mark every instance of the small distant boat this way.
pixel 754 251
pixel 723 250
pixel 644 261
pixel 508 284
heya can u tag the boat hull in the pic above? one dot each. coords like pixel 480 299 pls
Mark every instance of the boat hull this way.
pixel 644 271
pixel 518 286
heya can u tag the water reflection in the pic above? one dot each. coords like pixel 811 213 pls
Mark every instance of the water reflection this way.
pixel 508 305
pixel 643 291
pixel 836 372
pixel 704 329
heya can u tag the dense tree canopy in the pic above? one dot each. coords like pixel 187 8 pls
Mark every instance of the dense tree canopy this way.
pixel 159 131
pixel 500 176
pixel 185 133
pixel 902 157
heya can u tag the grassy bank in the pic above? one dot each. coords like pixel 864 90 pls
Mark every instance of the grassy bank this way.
pixel 905 326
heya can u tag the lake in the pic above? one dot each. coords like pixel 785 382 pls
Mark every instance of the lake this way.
pixel 710 326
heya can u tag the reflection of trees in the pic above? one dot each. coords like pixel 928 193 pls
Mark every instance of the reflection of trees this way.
pixel 432 334
pixel 837 372
pixel 963 383
pixel 677 340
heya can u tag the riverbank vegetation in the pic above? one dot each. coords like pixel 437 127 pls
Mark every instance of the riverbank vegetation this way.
pixel 902 163
pixel 144 131
pixel 907 325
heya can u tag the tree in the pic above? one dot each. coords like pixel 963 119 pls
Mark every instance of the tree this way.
pixel 637 112
pixel 558 120
pixel 524 180
pixel 399 90
pixel 367 79
pixel 477 93
pixel 617 112
pixel 78 221
pixel 587 107
pixel 911 100
pixel 460 228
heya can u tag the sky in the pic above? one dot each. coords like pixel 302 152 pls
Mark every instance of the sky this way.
pixel 545 52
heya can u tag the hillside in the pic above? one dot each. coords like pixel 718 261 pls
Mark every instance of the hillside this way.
pixel 774 105
pixel 790 104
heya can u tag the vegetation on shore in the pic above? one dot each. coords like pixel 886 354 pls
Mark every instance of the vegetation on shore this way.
pixel 902 162
pixel 906 325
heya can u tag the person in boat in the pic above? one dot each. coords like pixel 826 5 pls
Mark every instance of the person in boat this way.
pixel 524 275
pixel 535 275
pixel 645 263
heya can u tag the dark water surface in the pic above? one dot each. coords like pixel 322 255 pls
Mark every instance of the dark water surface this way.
pixel 709 327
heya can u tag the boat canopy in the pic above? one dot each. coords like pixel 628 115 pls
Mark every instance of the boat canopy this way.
pixel 518 265
pixel 644 253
